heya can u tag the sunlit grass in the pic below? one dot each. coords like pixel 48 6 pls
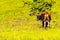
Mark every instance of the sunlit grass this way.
pixel 16 24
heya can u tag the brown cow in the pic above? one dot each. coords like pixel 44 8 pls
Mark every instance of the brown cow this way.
pixel 47 19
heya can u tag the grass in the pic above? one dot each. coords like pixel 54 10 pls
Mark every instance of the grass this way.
pixel 16 24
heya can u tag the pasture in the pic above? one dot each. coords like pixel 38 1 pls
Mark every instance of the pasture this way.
pixel 16 24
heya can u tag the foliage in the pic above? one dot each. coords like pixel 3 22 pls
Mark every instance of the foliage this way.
pixel 40 5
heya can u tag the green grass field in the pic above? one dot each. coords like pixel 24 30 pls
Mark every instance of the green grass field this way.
pixel 16 24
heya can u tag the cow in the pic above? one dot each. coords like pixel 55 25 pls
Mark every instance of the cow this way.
pixel 45 17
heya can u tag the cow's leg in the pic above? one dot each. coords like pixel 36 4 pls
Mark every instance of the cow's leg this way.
pixel 44 24
pixel 48 24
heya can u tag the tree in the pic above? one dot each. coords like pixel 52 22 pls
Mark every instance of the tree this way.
pixel 42 5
